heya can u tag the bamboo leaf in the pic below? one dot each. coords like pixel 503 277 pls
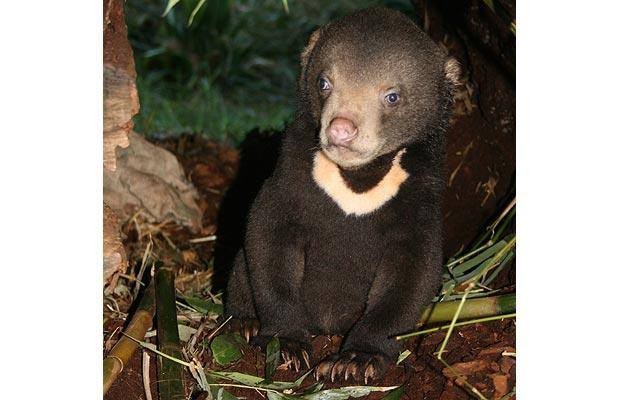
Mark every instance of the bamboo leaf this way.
pixel 299 380
pixel 195 11
pixel 169 6
pixel 403 356
pixel 469 264
pixel 396 394
pixel 204 306
pixel 257 382
pixel 244 379
pixel 278 396
pixel 186 332
pixel 225 349
pixel 496 259
pixel 314 388
pixel 346 392
pixel 221 394
pixel 285 5
pixel 272 357
pixel 501 266
pixel 284 385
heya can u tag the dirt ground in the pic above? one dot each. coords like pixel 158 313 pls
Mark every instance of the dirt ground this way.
pixel 477 351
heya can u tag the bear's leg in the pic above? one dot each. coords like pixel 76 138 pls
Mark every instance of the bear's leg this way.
pixel 276 266
pixel 403 286
pixel 239 301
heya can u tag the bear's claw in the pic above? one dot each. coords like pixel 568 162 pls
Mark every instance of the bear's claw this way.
pixel 353 365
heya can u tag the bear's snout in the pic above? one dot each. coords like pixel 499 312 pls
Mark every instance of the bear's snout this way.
pixel 341 131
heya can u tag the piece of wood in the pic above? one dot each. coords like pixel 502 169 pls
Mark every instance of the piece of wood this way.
pixel 137 174
pixel 122 351
pixel 114 257
pixel 120 95
pixel 120 104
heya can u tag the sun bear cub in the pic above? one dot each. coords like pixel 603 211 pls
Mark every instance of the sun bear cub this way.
pixel 345 237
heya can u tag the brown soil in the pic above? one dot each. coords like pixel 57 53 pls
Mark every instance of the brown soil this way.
pixel 476 351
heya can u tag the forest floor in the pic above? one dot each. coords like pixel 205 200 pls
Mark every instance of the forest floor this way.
pixel 482 353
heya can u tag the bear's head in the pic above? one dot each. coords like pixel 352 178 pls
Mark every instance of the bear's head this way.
pixel 373 83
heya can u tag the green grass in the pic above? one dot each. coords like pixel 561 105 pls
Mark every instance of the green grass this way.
pixel 205 111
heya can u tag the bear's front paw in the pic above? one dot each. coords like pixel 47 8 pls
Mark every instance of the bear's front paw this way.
pixel 352 364
pixel 247 328
pixel 293 352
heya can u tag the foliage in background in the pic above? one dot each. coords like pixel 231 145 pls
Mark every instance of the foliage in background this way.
pixel 233 69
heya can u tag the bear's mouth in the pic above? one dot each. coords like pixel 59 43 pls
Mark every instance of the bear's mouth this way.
pixel 347 157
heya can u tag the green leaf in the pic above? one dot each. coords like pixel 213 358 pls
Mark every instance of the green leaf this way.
pixel 488 253
pixel 238 377
pixel 499 268
pixel 204 306
pixel 221 394
pixel 496 259
pixel 300 380
pixel 402 356
pixel 274 396
pixel 255 381
pixel 314 388
pixel 346 392
pixel 225 349
pixel 272 357
pixel 285 5
pixel 278 396
pixel 195 11
pixel 186 332
pixel 169 6
pixel 396 394
pixel 284 385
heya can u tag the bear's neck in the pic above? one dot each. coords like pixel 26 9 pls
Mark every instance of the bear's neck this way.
pixel 364 178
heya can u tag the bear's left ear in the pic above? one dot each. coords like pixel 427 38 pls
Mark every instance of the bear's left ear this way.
pixel 305 54
pixel 452 70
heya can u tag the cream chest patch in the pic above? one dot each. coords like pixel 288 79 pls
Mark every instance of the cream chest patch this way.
pixel 327 175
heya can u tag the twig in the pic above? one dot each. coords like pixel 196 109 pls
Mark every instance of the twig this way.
pixel 212 334
pixel 210 238
pixel 471 322
pixel 146 375
pixel 145 256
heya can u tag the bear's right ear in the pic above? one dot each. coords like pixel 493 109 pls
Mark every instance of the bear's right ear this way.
pixel 305 54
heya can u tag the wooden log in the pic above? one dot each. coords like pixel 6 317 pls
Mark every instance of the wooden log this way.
pixel 120 95
pixel 114 257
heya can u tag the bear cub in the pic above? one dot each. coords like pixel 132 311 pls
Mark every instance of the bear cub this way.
pixel 345 237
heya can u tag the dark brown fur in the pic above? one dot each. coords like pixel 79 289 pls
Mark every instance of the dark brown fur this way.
pixel 306 268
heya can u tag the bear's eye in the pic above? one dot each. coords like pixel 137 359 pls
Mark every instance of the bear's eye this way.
pixel 392 98
pixel 324 84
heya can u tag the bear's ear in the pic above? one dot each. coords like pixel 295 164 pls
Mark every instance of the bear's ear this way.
pixel 305 54
pixel 452 70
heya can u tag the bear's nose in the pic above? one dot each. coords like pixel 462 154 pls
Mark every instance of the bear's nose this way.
pixel 341 131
